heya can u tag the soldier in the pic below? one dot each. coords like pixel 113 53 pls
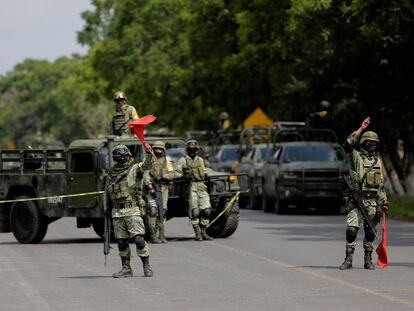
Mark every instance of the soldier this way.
pixel 366 172
pixel 192 167
pixel 125 187
pixel 223 122
pixel 123 114
pixel 158 177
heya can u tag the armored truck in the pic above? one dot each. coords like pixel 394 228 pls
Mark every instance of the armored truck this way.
pixel 51 176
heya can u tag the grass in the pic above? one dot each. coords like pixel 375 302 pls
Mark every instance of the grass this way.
pixel 401 207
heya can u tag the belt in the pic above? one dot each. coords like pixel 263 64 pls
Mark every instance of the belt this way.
pixel 124 205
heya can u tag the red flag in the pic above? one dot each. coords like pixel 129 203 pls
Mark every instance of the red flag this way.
pixel 137 126
pixel 381 250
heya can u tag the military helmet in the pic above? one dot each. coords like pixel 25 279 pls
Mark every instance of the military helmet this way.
pixel 369 135
pixel 325 104
pixel 192 143
pixel 119 152
pixel 158 144
pixel 119 96
pixel 223 115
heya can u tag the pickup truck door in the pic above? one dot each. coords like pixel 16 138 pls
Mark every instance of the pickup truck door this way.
pixel 81 178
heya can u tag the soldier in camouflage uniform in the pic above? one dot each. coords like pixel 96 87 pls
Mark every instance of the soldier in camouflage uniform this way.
pixel 123 114
pixel 193 168
pixel 161 173
pixel 125 189
pixel 366 172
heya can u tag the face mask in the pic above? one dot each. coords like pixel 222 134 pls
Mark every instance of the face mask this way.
pixel 192 152
pixel 158 152
pixel 121 159
pixel 369 147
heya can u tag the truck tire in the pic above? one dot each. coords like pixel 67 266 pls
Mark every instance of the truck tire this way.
pixel 28 224
pixel 226 225
pixel 267 204
pixel 281 207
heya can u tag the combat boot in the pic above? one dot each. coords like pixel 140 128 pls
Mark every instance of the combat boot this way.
pixel 204 234
pixel 347 264
pixel 368 261
pixel 197 232
pixel 147 268
pixel 126 270
pixel 162 237
pixel 155 240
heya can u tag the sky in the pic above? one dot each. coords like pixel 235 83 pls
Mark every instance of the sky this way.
pixel 39 29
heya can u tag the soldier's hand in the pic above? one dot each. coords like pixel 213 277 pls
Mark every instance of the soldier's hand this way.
pixel 147 147
pixel 385 206
pixel 365 123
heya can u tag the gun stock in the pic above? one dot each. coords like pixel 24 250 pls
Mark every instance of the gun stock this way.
pixel 357 198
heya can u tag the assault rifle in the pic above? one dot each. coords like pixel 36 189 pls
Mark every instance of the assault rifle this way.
pixel 107 224
pixel 157 195
pixel 356 197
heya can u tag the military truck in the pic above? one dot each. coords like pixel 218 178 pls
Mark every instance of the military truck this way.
pixel 303 170
pixel 82 168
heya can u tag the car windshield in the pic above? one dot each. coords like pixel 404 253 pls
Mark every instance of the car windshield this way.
pixel 316 153
pixel 262 154
pixel 175 153
pixel 229 154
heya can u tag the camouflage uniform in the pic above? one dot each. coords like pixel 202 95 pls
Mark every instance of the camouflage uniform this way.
pixel 161 172
pixel 193 168
pixel 125 193
pixel 123 114
pixel 366 172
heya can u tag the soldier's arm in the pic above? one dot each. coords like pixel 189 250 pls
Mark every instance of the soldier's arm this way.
pixel 133 114
pixel 179 167
pixel 171 172
pixel 353 139
pixel 148 162
pixel 147 178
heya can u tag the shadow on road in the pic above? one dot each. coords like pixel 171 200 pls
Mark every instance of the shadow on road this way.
pixel 60 241
pixel 87 277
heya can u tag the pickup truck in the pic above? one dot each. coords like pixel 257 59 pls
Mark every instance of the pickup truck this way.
pixel 82 168
pixel 303 172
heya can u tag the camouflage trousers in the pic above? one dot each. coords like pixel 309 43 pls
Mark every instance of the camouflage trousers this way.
pixel 200 200
pixel 126 228
pixel 354 219
pixel 154 220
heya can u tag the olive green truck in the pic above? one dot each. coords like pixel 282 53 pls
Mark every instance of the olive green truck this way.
pixel 53 175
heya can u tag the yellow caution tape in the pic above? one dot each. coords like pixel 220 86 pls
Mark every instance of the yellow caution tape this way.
pixel 229 204
pixel 54 197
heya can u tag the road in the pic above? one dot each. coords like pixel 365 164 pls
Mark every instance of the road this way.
pixel 271 263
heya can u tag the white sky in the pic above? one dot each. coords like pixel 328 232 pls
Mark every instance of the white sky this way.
pixel 39 29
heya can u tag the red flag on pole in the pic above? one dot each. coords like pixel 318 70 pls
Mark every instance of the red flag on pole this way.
pixel 381 250
pixel 137 126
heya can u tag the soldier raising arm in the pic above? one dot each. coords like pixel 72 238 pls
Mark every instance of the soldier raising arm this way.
pixel 125 190
pixel 366 172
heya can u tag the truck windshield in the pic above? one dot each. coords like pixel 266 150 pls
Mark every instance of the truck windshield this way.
pixel 316 153
pixel 229 154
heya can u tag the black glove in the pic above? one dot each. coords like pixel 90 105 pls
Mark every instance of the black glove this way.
pixel 377 217
pixel 157 179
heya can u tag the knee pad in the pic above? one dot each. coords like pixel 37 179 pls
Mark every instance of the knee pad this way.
pixel 195 213
pixel 122 244
pixel 369 234
pixel 351 234
pixel 139 241
pixel 205 213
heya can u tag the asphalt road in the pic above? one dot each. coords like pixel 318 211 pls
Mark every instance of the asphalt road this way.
pixel 271 263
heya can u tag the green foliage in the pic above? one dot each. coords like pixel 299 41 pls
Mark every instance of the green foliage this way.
pixel 402 207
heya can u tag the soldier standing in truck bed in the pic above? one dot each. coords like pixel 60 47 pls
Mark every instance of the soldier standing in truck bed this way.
pixel 123 114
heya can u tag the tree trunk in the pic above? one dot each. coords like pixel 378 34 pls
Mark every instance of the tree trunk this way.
pixel 394 181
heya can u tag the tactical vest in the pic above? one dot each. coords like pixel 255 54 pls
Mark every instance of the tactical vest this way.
pixel 372 178
pixel 120 121
pixel 196 167
pixel 161 167
pixel 126 190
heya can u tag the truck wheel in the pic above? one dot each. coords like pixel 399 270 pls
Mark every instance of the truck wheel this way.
pixel 255 202
pixel 267 205
pixel 28 224
pixel 226 225
pixel 281 207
